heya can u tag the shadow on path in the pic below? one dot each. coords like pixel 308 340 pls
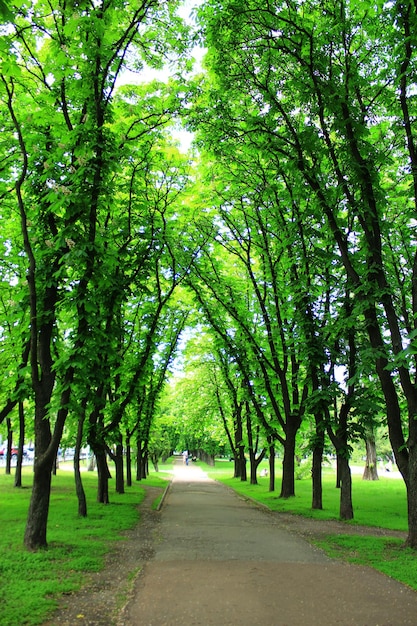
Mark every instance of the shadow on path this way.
pixel 219 560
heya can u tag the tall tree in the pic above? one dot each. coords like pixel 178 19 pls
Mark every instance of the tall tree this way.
pixel 58 75
pixel 324 90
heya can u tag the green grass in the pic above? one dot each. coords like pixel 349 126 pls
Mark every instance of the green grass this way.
pixel 31 583
pixel 379 503
pixel 386 555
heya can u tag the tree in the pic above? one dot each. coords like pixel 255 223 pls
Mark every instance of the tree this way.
pixel 58 76
pixel 323 90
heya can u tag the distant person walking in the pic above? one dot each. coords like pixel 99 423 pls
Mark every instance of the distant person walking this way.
pixel 185 457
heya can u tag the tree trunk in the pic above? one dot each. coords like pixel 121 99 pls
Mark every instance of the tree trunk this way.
pixel 236 465
pixel 242 464
pixel 346 506
pixel 18 474
pixel 139 461
pixel 411 540
pixel 36 525
pixel 145 458
pixel 271 452
pixel 120 483
pixel 79 489
pixel 316 469
pixel 9 446
pixel 35 531
pixel 288 464
pixel 252 467
pixel 370 472
pixel 128 462
pixel 338 472
pixel 316 476
pixel 103 476
pixel 240 461
pixel 252 453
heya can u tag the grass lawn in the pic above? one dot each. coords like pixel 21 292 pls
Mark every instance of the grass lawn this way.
pixel 30 583
pixel 379 503
pixel 376 503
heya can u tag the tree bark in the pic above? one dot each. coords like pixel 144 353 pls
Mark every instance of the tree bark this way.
pixel 411 540
pixel 79 489
pixel 288 462
pixel 252 453
pixel 370 472
pixel 316 476
pixel 242 464
pixel 36 525
pixel 18 474
pixel 138 460
pixel 9 447
pixel 103 475
pixel 118 460
pixel 128 462
pixel 271 452
pixel 346 506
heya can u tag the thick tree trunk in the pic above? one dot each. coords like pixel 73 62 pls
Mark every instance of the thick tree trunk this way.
pixel 370 472
pixel 338 473
pixel 103 475
pixel 252 454
pixel 79 489
pixel 411 541
pixel 118 460
pixel 236 466
pixel 316 476
pixel 146 465
pixel 346 506
pixel 36 525
pixel 242 464
pixel 128 463
pixel 37 520
pixel 240 461
pixel 140 462
pixel 253 466
pixel 316 469
pixel 288 465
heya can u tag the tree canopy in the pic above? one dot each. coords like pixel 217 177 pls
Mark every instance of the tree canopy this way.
pixel 282 245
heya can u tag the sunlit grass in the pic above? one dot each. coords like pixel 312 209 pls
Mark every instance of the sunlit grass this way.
pixel 387 555
pixel 376 503
pixel 31 583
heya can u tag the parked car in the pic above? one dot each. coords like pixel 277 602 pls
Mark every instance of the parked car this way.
pixel 3 451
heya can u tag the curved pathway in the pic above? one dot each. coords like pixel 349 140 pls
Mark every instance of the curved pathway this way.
pixel 219 561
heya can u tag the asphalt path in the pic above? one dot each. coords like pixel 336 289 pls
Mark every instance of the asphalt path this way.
pixel 220 560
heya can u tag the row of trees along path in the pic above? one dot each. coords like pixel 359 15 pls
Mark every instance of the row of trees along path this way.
pixel 287 242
